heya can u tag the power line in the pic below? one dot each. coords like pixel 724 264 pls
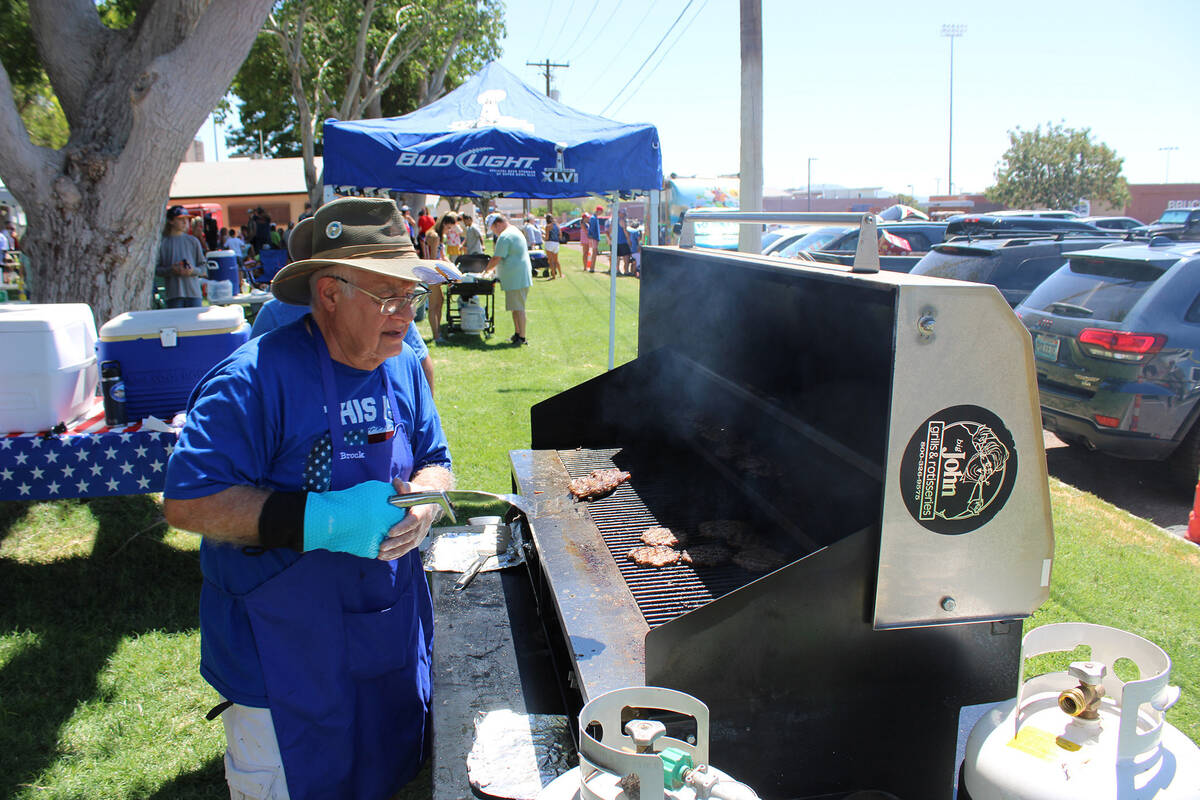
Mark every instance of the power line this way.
pixel 584 26
pixel 546 67
pixel 652 52
pixel 604 28
pixel 661 59
pixel 566 22
pixel 602 75
pixel 538 43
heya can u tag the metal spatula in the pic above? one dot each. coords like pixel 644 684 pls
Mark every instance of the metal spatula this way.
pixel 443 499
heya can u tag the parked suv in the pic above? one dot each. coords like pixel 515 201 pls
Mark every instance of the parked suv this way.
pixel 1013 261
pixel 1116 341
pixel 1175 223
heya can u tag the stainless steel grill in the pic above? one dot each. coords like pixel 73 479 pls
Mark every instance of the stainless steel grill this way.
pixel 881 432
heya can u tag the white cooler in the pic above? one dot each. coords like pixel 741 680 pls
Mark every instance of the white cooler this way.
pixel 48 371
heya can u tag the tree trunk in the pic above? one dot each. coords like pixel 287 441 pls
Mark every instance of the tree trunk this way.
pixel 134 99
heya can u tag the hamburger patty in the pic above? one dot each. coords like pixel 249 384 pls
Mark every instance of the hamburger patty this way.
pixel 663 536
pixel 706 555
pixel 759 559
pixel 597 484
pixel 653 556
pixel 735 532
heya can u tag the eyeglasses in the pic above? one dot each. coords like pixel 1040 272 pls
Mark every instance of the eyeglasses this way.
pixel 391 305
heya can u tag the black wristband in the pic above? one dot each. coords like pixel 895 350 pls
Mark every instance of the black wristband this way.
pixel 281 522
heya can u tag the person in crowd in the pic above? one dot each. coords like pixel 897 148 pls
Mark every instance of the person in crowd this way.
pixel 262 231
pixel 435 250
pixel 552 235
pixel 307 212
pixel 511 265
pixel 180 260
pixel 453 238
pixel 10 231
pixel 622 244
pixel 222 238
pixel 585 242
pixel 593 232
pixel 236 243
pixel 210 231
pixel 411 223
pixel 276 237
pixel 316 619
pixel 287 233
pixel 533 233
pixel 635 250
pixel 424 223
pixel 196 228
pixel 472 238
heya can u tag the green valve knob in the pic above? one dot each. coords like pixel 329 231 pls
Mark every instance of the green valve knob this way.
pixel 675 763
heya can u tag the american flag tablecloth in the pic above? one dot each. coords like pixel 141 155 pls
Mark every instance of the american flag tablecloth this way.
pixel 88 459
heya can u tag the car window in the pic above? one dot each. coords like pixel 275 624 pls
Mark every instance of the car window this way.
pixel 919 241
pixel 1193 312
pixel 1092 288
pixel 1029 273
pixel 977 265
pixel 847 242
pixel 813 241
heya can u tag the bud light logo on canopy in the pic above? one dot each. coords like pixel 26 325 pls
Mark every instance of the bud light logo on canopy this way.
pixel 478 160
pixel 958 470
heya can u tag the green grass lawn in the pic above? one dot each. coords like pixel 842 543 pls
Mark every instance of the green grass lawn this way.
pixel 99 690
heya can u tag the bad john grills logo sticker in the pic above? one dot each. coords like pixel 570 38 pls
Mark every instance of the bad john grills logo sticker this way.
pixel 958 470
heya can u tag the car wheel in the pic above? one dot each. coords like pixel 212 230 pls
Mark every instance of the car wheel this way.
pixel 1184 464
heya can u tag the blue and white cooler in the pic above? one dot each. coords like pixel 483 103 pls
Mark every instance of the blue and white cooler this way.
pixel 223 266
pixel 164 353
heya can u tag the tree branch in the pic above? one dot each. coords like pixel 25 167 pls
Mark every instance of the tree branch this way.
pixel 26 168
pixel 70 39
pixel 354 79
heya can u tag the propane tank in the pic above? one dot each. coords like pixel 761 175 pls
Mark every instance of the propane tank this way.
pixel 473 316
pixel 637 760
pixel 1084 734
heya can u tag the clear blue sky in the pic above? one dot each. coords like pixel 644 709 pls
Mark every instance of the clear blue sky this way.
pixel 864 88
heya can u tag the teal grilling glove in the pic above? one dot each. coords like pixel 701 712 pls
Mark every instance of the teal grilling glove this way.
pixel 354 520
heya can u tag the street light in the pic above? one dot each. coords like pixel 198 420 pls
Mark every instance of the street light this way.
pixel 951 32
pixel 1167 170
pixel 810 182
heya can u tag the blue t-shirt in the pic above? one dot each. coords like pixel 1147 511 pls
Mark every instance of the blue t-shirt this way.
pixel 258 419
pixel 274 314
pixel 594 228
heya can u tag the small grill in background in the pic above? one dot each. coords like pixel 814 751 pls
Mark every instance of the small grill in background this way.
pixel 880 431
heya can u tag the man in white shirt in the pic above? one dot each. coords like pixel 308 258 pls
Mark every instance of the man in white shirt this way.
pixel 533 234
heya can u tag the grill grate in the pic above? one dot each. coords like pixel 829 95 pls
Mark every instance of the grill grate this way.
pixel 662 594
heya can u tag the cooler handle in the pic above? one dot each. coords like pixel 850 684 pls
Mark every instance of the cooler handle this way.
pixel 168 337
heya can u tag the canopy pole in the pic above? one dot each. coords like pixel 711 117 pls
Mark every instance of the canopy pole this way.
pixel 614 236
pixel 651 234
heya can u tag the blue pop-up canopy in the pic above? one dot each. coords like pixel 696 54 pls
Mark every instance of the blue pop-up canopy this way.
pixel 494 135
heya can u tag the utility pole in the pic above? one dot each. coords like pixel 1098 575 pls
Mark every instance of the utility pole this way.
pixel 1167 169
pixel 546 67
pixel 750 183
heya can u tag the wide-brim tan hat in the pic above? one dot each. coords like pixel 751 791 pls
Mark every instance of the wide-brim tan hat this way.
pixel 361 232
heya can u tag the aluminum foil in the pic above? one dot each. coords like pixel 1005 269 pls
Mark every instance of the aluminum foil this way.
pixel 516 755
pixel 455 549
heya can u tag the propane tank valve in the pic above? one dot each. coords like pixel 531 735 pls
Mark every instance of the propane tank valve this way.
pixel 1084 700
pixel 645 732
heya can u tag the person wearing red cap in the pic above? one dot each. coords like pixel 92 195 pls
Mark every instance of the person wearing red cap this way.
pixel 180 259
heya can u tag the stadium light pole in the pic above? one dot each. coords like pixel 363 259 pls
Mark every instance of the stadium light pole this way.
pixel 810 160
pixel 1167 168
pixel 951 32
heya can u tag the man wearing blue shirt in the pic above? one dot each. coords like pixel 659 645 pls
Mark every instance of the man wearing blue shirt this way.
pixel 315 616
pixel 511 264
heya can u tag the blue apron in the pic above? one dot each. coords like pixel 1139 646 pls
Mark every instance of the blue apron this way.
pixel 345 643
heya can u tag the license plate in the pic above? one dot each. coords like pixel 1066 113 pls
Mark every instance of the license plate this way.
pixel 1046 347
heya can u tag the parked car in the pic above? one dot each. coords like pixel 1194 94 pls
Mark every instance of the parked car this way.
pixel 1047 213
pixel 920 236
pixel 1116 335
pixel 1113 223
pixel 569 231
pixel 1015 262
pixel 813 240
pixel 970 224
pixel 1175 223
pixel 778 239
